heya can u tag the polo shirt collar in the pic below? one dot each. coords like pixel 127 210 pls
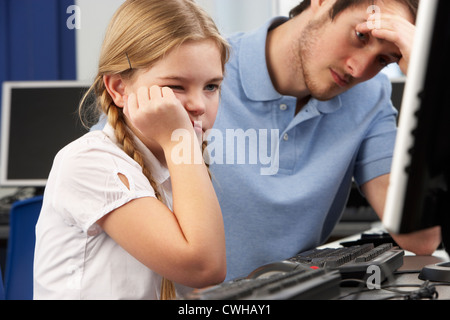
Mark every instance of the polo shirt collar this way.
pixel 329 106
pixel 256 80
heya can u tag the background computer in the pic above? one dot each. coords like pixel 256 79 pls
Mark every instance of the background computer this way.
pixel 38 119
pixel 419 195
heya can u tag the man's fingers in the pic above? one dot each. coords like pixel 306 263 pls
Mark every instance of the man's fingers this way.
pixel 385 34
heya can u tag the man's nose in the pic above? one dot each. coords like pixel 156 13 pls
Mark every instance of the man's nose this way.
pixel 361 66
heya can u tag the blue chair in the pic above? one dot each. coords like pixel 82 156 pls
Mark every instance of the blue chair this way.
pixel 2 289
pixel 20 253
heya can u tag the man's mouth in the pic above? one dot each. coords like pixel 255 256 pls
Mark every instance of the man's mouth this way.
pixel 340 81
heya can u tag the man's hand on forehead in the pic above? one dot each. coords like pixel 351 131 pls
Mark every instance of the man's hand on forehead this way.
pixel 393 28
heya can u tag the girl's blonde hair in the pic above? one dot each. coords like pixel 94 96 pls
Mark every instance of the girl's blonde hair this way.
pixel 140 33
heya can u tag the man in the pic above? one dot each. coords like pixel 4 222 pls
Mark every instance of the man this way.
pixel 306 95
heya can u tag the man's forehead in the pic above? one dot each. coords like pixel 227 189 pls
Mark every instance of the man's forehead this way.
pixel 393 7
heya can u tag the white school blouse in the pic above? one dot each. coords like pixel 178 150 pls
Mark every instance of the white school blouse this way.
pixel 74 257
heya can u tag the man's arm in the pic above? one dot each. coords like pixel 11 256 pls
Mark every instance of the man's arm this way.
pixel 423 242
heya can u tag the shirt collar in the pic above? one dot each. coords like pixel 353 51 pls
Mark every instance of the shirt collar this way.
pixel 256 80
pixel 159 172
pixel 328 106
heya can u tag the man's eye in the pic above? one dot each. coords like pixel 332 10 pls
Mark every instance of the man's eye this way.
pixel 383 62
pixel 362 36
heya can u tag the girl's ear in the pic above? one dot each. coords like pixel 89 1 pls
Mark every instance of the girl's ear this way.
pixel 116 88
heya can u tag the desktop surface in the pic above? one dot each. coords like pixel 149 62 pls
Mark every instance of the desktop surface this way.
pixel 404 284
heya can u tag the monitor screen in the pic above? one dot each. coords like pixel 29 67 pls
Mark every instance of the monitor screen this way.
pixel 38 119
pixel 398 88
pixel 418 195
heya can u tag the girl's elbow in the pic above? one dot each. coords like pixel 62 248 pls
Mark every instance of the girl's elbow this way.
pixel 214 276
pixel 212 273
pixel 208 272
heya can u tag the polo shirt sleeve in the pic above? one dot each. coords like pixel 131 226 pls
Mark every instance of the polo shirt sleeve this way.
pixel 88 186
pixel 376 151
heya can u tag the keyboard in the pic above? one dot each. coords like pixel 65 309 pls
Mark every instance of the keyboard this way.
pixel 7 202
pixel 282 281
pixel 353 262
pixel 312 275
pixel 4 214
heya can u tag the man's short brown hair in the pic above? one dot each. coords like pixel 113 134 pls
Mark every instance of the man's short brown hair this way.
pixel 341 5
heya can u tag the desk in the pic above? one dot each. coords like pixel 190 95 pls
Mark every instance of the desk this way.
pixel 405 279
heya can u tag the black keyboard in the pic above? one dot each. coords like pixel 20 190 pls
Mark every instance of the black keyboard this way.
pixel 7 202
pixel 4 214
pixel 353 262
pixel 300 283
pixel 315 274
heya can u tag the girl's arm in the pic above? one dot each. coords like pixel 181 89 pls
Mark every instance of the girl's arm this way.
pixel 188 245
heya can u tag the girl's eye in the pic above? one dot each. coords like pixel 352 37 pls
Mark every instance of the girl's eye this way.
pixel 212 87
pixel 178 88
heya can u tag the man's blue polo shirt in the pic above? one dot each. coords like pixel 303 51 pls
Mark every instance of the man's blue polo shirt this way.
pixel 272 214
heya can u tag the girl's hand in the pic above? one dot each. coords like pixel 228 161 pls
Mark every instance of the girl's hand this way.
pixel 395 29
pixel 156 113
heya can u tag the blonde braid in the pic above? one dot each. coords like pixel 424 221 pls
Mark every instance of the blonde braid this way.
pixel 123 136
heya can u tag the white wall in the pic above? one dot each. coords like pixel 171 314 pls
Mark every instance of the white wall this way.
pixel 284 6
pixel 95 16
pixel 239 15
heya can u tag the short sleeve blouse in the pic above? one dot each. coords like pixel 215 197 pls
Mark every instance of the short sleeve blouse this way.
pixel 74 258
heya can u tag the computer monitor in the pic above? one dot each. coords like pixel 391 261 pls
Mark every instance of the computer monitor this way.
pixel 38 119
pixel 398 89
pixel 418 195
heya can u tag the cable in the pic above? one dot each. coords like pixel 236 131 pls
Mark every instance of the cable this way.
pixel 425 291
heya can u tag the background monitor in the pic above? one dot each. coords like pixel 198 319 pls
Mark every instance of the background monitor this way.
pixel 419 195
pixel 38 119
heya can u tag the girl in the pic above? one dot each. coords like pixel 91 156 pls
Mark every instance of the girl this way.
pixel 109 228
